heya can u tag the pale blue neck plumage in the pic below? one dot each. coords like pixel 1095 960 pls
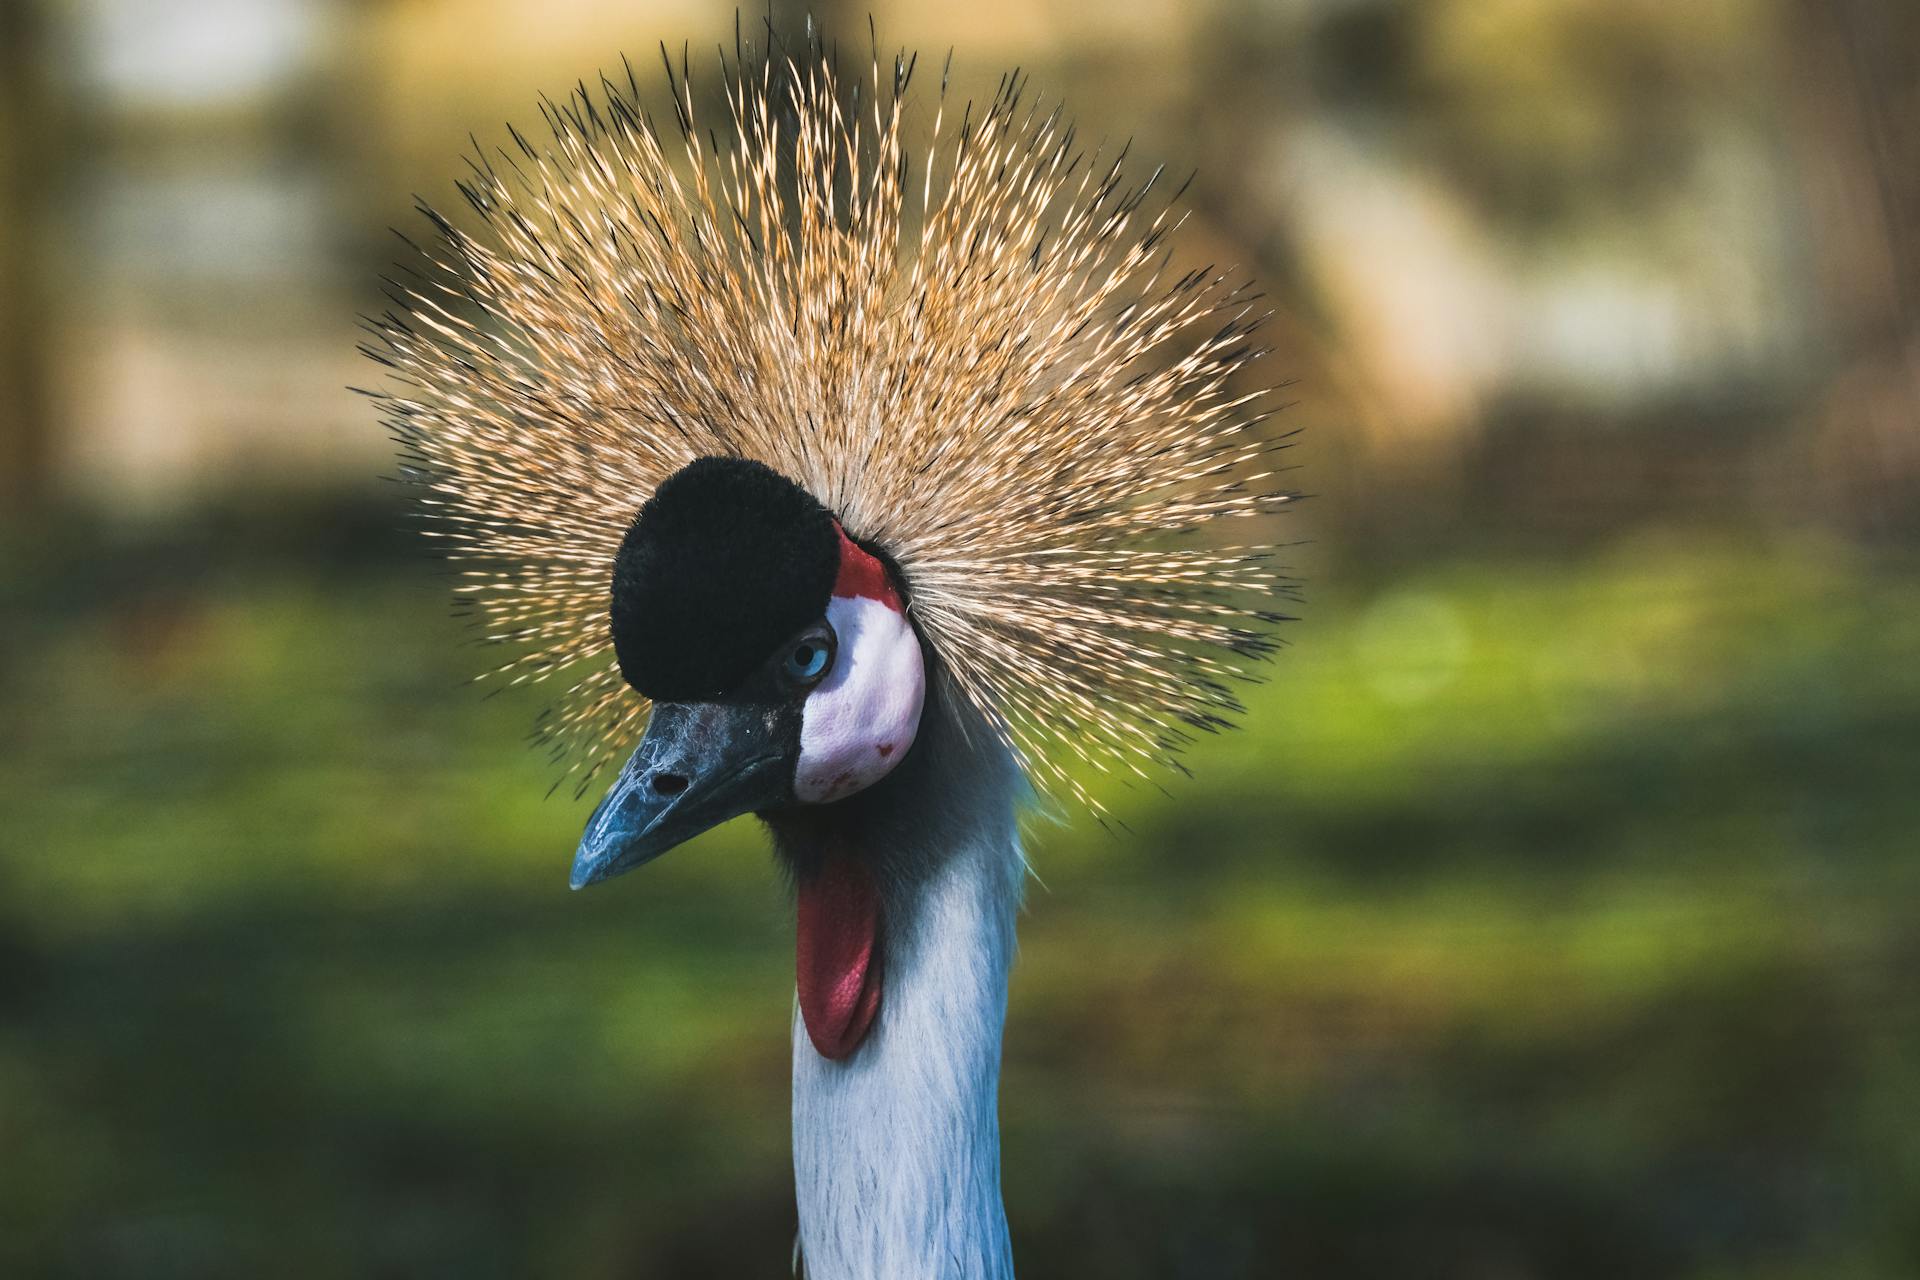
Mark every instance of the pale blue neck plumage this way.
pixel 896 1149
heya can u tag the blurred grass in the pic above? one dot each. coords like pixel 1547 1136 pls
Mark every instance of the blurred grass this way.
pixel 1551 918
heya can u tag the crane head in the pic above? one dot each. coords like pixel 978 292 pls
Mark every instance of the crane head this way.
pixel 775 649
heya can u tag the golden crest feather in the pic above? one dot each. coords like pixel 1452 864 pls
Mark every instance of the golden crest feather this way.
pixel 972 350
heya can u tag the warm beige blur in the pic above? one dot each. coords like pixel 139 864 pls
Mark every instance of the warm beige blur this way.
pixel 1517 226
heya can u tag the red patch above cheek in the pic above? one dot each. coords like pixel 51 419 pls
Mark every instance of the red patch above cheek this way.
pixel 862 574
pixel 885 749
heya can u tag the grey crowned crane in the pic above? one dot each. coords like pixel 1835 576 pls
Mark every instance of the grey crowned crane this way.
pixel 854 472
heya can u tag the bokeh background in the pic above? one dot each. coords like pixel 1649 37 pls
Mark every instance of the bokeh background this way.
pixel 1557 915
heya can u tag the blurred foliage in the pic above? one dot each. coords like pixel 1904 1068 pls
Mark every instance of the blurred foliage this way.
pixel 1551 918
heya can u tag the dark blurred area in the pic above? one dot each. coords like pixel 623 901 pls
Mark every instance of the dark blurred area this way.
pixel 1554 916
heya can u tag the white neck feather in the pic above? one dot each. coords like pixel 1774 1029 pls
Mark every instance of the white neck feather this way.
pixel 896 1149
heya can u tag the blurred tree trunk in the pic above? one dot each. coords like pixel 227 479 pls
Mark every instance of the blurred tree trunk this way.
pixel 25 436
pixel 1855 78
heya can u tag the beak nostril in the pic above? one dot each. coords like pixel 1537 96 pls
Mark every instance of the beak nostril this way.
pixel 668 784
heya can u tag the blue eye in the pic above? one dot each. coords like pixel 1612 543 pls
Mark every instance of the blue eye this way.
pixel 809 659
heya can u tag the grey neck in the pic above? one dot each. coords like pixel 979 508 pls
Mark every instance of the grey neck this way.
pixel 896 1149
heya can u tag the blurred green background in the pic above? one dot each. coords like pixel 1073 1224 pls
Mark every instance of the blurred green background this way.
pixel 1555 916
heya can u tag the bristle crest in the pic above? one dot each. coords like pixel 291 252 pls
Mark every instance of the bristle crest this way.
pixel 985 371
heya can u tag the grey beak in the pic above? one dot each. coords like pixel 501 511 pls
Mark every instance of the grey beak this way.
pixel 699 764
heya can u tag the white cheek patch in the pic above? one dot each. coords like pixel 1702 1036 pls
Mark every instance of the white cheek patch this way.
pixel 858 723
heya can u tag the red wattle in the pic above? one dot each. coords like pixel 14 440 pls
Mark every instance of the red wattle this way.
pixel 838 955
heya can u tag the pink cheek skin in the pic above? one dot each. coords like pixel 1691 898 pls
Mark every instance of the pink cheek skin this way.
pixel 860 720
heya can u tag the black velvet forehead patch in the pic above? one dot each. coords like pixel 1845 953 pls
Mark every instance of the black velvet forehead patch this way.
pixel 723 564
